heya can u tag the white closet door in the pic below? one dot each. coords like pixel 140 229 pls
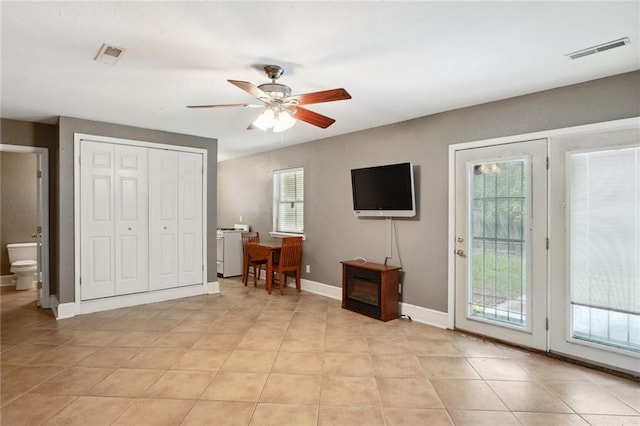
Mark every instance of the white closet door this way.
pixel 163 219
pixel 132 220
pixel 190 218
pixel 97 220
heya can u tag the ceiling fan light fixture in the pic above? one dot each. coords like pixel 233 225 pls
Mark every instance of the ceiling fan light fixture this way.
pixel 284 121
pixel 265 120
pixel 271 118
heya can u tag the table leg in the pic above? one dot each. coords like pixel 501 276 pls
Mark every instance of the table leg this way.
pixel 269 272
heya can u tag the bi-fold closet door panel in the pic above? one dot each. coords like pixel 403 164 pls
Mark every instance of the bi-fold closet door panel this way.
pixel 176 241
pixel 163 219
pixel 132 219
pixel 141 219
pixel 190 261
pixel 113 220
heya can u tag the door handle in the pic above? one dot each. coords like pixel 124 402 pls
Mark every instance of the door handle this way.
pixel 460 253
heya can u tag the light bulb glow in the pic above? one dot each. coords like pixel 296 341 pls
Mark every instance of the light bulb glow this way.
pixel 265 120
pixel 283 121
pixel 277 119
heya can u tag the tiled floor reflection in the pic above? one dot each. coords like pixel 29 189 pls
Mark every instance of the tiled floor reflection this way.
pixel 248 358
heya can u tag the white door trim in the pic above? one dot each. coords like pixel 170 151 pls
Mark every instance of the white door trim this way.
pixel 77 138
pixel 43 215
pixel 546 134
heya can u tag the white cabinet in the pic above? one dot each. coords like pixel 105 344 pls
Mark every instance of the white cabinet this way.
pixel 141 219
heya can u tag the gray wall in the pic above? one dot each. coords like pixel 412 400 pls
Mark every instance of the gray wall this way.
pixel 67 128
pixel 14 132
pixel 18 203
pixel 334 234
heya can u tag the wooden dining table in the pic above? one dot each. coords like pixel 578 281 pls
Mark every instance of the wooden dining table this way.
pixel 273 248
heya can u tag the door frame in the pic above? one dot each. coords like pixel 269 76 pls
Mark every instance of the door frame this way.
pixel 42 155
pixel 546 134
pixel 115 302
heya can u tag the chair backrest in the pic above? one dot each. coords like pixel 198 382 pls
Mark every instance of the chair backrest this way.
pixel 249 237
pixel 291 252
pixel 257 253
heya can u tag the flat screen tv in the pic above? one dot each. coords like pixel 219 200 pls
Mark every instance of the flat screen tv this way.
pixel 384 191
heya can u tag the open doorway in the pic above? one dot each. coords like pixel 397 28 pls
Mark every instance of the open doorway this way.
pixel 25 207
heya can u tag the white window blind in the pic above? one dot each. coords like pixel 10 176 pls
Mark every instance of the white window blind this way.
pixel 604 214
pixel 289 200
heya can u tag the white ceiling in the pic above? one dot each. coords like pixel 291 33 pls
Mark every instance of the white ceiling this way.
pixel 399 60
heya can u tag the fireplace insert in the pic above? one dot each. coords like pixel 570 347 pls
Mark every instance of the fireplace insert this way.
pixel 362 292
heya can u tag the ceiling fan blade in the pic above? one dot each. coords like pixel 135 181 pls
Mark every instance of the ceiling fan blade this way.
pixel 226 105
pixel 251 89
pixel 320 97
pixel 314 118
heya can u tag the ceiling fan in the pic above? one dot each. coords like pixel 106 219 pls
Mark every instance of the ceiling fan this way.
pixel 282 109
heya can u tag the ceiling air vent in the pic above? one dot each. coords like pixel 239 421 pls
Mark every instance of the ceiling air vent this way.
pixel 109 55
pixel 599 48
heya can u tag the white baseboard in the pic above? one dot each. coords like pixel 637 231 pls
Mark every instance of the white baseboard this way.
pixel 314 287
pixel 417 313
pixel 53 304
pixel 425 315
pixel 69 310
pixel 66 310
pixel 6 280
pixel 61 310
pixel 212 288
pixel 117 302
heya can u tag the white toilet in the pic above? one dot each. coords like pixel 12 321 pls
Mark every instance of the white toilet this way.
pixel 24 265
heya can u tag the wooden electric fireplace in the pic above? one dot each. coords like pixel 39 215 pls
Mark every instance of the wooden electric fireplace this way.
pixel 370 289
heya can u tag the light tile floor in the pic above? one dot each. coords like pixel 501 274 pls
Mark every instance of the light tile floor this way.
pixel 248 358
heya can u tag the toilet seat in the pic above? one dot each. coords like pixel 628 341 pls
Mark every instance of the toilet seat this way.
pixel 23 265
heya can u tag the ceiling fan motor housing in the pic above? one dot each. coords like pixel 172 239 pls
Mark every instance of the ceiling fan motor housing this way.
pixel 273 71
pixel 275 90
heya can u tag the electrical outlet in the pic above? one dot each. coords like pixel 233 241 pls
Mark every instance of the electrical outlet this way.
pixel 240 219
pixel 308 269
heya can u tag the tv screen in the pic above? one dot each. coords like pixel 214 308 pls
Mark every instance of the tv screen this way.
pixel 386 191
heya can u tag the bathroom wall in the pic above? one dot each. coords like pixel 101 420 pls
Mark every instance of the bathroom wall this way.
pixel 18 201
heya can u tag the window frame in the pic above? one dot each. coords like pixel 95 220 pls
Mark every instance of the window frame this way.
pixel 277 181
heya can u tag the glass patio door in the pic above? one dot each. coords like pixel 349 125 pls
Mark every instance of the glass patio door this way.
pixel 501 229
pixel 595 249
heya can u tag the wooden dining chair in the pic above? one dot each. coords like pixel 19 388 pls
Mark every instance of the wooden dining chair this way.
pixel 255 261
pixel 257 256
pixel 289 261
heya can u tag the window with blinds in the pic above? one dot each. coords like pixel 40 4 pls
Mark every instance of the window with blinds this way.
pixel 604 213
pixel 288 194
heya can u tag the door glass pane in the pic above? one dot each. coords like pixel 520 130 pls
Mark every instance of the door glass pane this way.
pixel 498 284
pixel 604 214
